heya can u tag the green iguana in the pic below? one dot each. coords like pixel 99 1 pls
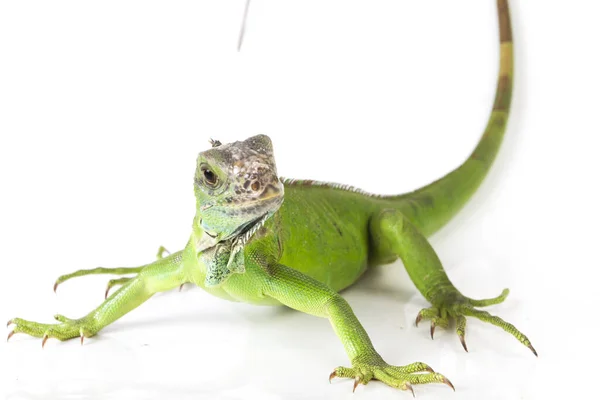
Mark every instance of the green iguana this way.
pixel 266 240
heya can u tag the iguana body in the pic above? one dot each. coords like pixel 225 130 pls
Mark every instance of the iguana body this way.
pixel 262 240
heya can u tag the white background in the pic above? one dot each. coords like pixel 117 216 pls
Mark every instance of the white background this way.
pixel 105 105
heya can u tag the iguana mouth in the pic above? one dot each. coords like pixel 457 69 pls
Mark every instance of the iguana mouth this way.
pixel 269 196
pixel 206 206
pixel 257 213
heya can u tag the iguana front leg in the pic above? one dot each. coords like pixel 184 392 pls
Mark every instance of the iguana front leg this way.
pixel 305 294
pixel 162 275
pixel 393 234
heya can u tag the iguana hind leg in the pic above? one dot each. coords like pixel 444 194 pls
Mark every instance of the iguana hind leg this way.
pixel 97 271
pixel 160 276
pixel 116 282
pixel 161 252
pixel 114 271
pixel 393 233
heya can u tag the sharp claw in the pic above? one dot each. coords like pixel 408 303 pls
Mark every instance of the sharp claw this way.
pixel 356 382
pixel 429 369
pixel 10 335
pixel 447 382
pixel 409 387
pixel 332 375
pixel 44 339
pixel 10 321
pixel 106 293
pixel 81 340
pixel 181 286
pixel 419 317
pixel 432 329
pixel 462 341
pixel 55 286
pixel 532 350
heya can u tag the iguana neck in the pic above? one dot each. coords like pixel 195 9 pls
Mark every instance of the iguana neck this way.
pixel 225 257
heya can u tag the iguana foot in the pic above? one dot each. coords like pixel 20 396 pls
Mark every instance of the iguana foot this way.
pixel 115 271
pixel 161 252
pixel 397 377
pixel 66 329
pixel 115 282
pixel 96 271
pixel 459 307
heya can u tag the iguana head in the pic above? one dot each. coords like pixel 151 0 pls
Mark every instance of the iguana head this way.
pixel 236 186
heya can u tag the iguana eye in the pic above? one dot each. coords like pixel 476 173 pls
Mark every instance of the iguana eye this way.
pixel 210 177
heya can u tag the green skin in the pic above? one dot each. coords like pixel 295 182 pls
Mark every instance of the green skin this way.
pixel 250 245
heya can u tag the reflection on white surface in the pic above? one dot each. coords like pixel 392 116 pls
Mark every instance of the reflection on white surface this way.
pixel 190 345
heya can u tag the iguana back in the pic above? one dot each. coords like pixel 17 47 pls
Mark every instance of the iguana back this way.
pixel 325 226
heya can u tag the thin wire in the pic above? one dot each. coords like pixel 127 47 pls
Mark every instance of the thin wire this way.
pixel 243 27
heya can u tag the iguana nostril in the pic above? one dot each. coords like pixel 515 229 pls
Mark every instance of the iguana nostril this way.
pixel 255 186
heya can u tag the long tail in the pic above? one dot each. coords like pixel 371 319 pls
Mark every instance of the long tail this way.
pixel 432 206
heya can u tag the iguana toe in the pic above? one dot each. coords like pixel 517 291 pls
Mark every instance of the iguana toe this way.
pixel 115 282
pixel 67 329
pixel 458 308
pixel 397 377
